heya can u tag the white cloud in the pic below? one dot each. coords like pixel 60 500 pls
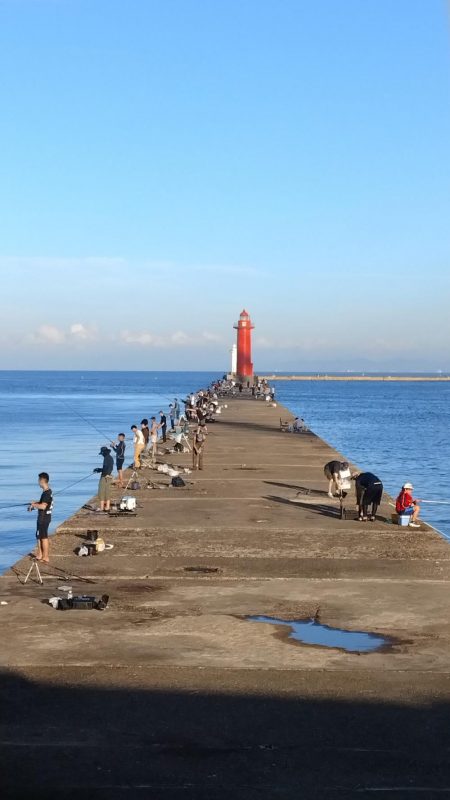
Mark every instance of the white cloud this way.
pixel 48 334
pixel 180 337
pixel 79 333
pixel 176 339
pixel 262 341
pixel 208 336
pixel 82 332
pixel 143 338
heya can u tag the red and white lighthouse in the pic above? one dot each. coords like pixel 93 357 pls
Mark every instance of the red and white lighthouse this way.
pixel 244 347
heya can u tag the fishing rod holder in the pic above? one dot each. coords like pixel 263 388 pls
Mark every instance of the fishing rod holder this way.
pixel 35 567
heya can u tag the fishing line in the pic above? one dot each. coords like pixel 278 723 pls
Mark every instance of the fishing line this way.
pixel 60 491
pixel 436 502
pixel 75 483
pixel 87 421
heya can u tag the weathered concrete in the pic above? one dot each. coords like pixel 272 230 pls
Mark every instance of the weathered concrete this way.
pixel 170 693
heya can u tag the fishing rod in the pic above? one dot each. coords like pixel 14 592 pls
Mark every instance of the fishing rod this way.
pixel 75 483
pixel 437 502
pixel 60 491
pixel 65 574
pixel 433 502
pixel 87 421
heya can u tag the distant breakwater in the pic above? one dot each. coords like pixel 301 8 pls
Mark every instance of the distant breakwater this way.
pixel 392 378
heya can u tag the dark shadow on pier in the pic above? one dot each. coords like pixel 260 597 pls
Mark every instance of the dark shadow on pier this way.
pixel 307 491
pixel 76 741
pixel 314 508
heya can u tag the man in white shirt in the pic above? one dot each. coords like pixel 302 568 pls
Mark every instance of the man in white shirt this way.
pixel 139 444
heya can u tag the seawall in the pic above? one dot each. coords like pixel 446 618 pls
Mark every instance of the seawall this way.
pixel 363 378
pixel 171 693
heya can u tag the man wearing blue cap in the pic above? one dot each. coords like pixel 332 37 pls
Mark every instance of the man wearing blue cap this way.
pixel 104 484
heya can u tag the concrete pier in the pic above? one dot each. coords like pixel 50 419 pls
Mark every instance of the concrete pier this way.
pixel 171 693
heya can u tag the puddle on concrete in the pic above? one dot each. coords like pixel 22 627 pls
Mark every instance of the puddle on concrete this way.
pixel 309 631
pixel 203 570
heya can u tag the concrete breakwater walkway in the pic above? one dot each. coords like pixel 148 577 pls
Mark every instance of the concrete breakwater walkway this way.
pixel 172 693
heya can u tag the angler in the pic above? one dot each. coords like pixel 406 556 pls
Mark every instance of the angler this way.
pixel 407 505
pixel 44 508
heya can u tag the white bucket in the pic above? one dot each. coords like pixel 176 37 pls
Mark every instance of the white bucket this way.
pixel 404 520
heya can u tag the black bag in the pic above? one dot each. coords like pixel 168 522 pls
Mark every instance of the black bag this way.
pixel 178 482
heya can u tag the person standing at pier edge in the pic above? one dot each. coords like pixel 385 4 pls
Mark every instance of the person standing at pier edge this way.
pixel 198 445
pixel 406 504
pixel 44 508
pixel 163 424
pixel 369 491
pixel 176 410
pixel 172 416
pixel 104 484
pixel 154 439
pixel 145 432
pixel 139 444
pixel 119 449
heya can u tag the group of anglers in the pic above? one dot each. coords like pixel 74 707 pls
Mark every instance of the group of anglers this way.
pixel 147 436
pixel 369 492
pixel 201 408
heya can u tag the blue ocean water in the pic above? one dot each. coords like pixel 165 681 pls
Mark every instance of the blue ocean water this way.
pixel 40 430
pixel 397 430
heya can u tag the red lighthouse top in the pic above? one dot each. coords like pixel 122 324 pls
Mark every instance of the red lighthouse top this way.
pixel 244 320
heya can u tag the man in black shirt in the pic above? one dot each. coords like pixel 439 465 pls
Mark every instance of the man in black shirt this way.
pixel 369 491
pixel 44 508
pixel 163 423
pixel 104 484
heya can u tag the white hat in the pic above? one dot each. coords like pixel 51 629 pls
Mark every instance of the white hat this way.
pixel 408 486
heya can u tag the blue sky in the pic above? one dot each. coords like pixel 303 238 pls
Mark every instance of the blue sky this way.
pixel 164 164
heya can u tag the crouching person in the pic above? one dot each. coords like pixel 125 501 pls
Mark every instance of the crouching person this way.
pixel 369 492
pixel 406 504
pixel 336 472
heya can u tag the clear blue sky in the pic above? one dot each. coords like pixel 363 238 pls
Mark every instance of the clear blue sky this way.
pixel 164 164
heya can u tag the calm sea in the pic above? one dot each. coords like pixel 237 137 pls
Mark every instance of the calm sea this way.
pixel 397 430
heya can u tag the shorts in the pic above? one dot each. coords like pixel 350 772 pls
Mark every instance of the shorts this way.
pixel 104 488
pixel 119 463
pixel 408 511
pixel 42 528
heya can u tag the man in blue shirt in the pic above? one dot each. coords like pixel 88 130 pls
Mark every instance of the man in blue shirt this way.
pixel 119 449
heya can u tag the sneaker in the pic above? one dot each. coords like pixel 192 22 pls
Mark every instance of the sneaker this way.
pixel 413 525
